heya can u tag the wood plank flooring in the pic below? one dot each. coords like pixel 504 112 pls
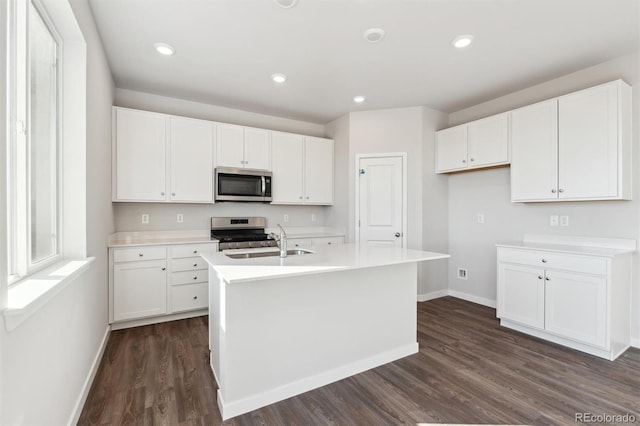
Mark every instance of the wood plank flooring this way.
pixel 468 370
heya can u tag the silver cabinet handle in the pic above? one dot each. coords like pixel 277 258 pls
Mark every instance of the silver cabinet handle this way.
pixel 471 159
pixel 195 277
pixel 329 243
pixel 164 269
pixel 195 297
pixel 173 194
pixel 539 277
pixel 140 254
pixel 544 260
pixel 553 191
pixel 398 234
pixel 162 193
pixel 195 251
pixel 264 186
pixel 300 197
pixel 464 161
pixel 195 264
pixel 560 190
pixel 307 198
pixel 547 278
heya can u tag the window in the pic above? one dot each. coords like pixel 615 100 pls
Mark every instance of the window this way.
pixel 34 148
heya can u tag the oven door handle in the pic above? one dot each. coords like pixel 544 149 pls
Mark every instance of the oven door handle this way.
pixel 264 186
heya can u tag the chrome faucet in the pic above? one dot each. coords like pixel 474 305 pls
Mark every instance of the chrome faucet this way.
pixel 281 240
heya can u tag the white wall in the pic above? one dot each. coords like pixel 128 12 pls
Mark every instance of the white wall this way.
pixel 196 216
pixel 336 215
pixel 472 245
pixel 46 360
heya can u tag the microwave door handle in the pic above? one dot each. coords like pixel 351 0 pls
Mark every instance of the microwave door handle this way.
pixel 264 186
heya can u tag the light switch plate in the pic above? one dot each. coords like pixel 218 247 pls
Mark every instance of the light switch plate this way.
pixel 553 220
pixel 145 218
pixel 564 220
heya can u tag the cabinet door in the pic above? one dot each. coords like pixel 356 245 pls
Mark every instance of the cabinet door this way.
pixel 287 184
pixel 140 156
pixel 488 141
pixel 534 152
pixel 257 149
pixel 191 160
pixel 139 289
pixel 521 294
pixel 451 149
pixel 318 172
pixel 229 145
pixel 588 147
pixel 575 307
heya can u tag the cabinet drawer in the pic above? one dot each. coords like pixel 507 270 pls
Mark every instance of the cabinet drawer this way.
pixel 191 250
pixel 568 262
pixel 131 254
pixel 189 297
pixel 299 242
pixel 327 241
pixel 188 264
pixel 189 277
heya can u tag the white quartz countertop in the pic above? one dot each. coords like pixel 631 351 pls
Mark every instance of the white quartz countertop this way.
pixel 322 260
pixel 308 232
pixel 571 249
pixel 158 238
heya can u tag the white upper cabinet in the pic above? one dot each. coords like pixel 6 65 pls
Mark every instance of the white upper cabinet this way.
pixel 478 144
pixel 158 157
pixel 575 147
pixel 191 158
pixel 534 152
pixel 139 156
pixel 302 169
pixel 287 158
pixel 451 149
pixel 242 147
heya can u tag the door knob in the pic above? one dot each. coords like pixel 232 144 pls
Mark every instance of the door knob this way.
pixel 398 234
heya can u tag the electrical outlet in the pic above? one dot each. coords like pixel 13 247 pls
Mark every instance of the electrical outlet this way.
pixel 285 219
pixel 180 218
pixel 462 273
pixel 553 220
pixel 145 218
pixel 480 217
pixel 564 220
pixel 313 217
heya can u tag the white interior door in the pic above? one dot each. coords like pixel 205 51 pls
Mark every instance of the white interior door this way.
pixel 381 204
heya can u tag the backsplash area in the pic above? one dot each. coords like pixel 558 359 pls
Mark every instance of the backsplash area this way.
pixel 163 216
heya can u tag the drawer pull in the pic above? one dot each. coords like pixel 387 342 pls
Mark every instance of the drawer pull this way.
pixel 547 278
pixel 553 191
pixel 140 254
pixel 195 277
pixel 539 277
pixel 164 269
pixel 329 243
pixel 195 264
pixel 544 260
pixel 195 251
pixel 195 297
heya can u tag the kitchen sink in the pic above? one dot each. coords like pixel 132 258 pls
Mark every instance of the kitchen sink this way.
pixel 251 255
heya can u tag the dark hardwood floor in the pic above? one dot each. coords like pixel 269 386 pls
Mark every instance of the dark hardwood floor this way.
pixel 468 370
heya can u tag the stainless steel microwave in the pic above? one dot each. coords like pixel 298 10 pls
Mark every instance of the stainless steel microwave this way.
pixel 242 185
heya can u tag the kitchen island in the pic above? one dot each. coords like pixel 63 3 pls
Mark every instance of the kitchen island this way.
pixel 281 327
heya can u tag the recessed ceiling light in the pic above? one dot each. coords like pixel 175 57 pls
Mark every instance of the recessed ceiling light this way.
pixel 279 78
pixel 164 49
pixel 286 4
pixel 373 35
pixel 462 41
pixel 359 99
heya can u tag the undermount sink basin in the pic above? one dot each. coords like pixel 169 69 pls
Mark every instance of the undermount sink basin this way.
pixel 251 255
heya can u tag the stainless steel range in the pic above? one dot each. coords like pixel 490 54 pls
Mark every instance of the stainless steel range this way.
pixel 240 232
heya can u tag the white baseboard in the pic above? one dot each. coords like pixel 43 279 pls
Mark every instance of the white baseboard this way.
pixel 432 295
pixel 635 342
pixel 460 295
pixel 75 414
pixel 230 409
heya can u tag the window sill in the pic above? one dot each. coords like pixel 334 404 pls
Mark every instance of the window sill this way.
pixel 32 293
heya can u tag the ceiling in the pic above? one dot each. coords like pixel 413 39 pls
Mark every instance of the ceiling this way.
pixel 227 50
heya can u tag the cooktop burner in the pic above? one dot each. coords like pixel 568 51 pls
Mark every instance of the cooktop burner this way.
pixel 240 232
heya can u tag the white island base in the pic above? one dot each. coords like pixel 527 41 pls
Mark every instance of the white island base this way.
pixel 275 337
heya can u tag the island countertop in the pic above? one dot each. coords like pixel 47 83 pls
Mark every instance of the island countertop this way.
pixel 323 259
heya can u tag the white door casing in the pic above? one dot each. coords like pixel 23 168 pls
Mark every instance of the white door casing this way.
pixel 381 199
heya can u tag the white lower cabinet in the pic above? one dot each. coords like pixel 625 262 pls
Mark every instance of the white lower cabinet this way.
pixel 576 300
pixel 153 283
pixel 314 242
